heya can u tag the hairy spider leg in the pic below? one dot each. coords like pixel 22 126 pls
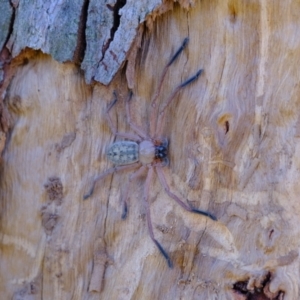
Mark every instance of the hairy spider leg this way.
pixel 109 172
pixel 125 197
pixel 149 222
pixel 132 125
pixel 154 106
pixel 165 185
pixel 130 136
pixel 172 97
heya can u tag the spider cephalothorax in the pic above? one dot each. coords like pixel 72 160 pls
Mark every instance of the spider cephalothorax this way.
pixel 161 151
pixel 146 151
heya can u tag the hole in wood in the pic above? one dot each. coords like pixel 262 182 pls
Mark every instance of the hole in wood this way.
pixel 255 293
pixel 226 127
pixel 223 122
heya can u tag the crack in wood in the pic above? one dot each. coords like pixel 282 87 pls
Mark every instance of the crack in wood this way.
pixel 116 23
pixel 81 38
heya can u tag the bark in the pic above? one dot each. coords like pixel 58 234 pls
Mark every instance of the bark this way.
pixel 233 150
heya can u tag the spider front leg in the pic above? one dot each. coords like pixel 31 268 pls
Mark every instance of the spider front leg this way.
pixel 132 125
pixel 154 106
pixel 161 114
pixel 130 136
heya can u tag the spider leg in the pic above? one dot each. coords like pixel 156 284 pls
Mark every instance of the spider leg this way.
pixel 165 185
pixel 149 222
pixel 133 176
pixel 172 97
pixel 132 125
pixel 154 106
pixel 130 136
pixel 108 172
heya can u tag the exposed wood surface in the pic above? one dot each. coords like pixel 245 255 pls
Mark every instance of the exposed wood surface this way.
pixel 233 147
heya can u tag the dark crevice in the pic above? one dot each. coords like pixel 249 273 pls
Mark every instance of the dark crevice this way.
pixel 145 46
pixel 259 130
pixel 5 61
pixel 81 37
pixel 115 9
pixel 226 127
pixel 258 293
pixel 271 233
pixel 241 287
pixel 12 21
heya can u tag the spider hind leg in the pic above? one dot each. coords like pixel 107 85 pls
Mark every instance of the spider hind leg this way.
pixel 164 253
pixel 125 211
pixel 204 213
pixel 174 57
pixel 148 216
pixel 191 79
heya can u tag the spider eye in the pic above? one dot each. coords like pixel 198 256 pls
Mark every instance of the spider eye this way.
pixel 160 152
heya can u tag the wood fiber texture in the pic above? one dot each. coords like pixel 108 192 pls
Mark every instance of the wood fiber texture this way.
pixel 233 148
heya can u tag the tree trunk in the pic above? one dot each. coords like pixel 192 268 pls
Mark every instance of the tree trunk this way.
pixel 233 150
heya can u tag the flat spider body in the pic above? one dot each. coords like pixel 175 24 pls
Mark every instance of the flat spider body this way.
pixel 146 152
pixel 128 152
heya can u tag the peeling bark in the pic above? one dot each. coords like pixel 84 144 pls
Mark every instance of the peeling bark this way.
pixel 50 26
pixel 5 22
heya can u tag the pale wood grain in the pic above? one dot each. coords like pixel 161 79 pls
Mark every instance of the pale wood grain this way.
pixel 234 148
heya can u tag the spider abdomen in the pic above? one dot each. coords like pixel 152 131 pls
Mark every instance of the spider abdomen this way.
pixel 123 152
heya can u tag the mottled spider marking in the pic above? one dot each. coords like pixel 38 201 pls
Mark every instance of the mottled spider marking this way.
pixel 123 152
